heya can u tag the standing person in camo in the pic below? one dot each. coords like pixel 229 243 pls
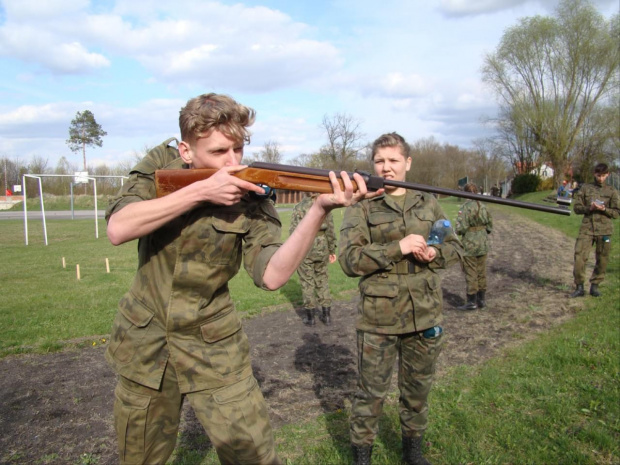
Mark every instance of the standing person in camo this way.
pixel 599 205
pixel 383 241
pixel 176 334
pixel 474 224
pixel 313 276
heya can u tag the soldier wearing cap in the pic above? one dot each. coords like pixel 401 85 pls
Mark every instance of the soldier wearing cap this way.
pixel 599 205
pixel 176 334
pixel 383 241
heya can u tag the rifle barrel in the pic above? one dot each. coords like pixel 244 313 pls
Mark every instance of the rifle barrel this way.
pixel 377 182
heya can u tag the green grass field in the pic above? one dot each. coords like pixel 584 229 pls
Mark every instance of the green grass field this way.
pixel 555 400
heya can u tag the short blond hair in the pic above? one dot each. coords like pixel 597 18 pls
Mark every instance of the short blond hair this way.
pixel 208 112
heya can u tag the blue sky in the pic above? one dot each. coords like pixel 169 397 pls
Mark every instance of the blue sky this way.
pixel 411 66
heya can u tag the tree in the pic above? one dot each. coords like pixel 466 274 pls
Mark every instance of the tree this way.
pixel 84 131
pixel 269 154
pixel 344 141
pixel 549 73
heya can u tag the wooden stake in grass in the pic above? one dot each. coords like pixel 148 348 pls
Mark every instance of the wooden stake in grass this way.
pixel 77 269
pixel 64 265
pixel 107 265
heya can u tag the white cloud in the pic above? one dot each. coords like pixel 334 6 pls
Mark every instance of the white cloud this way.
pixel 31 10
pixel 476 7
pixel 472 7
pixel 212 44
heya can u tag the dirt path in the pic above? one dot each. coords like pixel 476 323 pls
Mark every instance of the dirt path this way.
pixel 57 408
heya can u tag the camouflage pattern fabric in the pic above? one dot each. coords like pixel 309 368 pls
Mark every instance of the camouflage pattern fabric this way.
pixel 178 312
pixel 597 223
pixel 400 297
pixel 475 269
pixel 399 294
pixel 474 223
pixel 147 421
pixel 376 357
pixel 596 229
pixel 313 276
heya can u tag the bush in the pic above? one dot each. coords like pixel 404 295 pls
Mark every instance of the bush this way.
pixel 524 183
pixel 545 185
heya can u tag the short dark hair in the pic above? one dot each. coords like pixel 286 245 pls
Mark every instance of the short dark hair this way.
pixel 601 168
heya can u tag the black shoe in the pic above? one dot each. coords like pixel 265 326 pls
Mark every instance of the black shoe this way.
pixel 579 292
pixel 309 318
pixel 594 292
pixel 412 451
pixel 361 454
pixel 481 300
pixel 470 304
pixel 325 316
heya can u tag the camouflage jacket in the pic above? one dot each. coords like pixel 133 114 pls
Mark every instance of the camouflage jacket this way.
pixel 596 223
pixel 398 294
pixel 325 240
pixel 474 223
pixel 179 304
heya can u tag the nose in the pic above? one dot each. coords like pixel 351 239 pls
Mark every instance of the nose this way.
pixel 231 158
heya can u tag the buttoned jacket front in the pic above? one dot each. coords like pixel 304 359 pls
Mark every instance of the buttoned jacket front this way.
pixel 398 294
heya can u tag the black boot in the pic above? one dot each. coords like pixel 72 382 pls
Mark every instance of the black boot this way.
pixel 594 292
pixel 470 304
pixel 309 318
pixel 480 297
pixel 412 451
pixel 579 292
pixel 326 317
pixel 361 454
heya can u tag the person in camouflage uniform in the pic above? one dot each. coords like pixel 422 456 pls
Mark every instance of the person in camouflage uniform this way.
pixel 176 334
pixel 598 203
pixel 312 272
pixel 474 224
pixel 383 241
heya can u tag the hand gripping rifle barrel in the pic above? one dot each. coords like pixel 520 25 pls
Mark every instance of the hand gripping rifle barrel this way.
pixel 304 179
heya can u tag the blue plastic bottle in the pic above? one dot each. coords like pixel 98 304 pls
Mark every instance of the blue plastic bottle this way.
pixel 440 229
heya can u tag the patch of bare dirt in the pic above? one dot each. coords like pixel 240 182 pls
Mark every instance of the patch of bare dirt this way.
pixel 57 408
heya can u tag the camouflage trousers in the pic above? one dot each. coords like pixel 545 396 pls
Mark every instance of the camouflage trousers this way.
pixel 314 283
pixel 377 354
pixel 475 269
pixel 583 245
pixel 234 417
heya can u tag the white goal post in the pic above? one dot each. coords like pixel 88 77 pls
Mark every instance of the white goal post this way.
pixel 38 177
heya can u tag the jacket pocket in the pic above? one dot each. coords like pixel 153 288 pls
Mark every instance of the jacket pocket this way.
pixel 380 301
pixel 216 330
pixel 130 325
pixel 229 230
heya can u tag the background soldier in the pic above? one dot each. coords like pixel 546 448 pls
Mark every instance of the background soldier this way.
pixel 598 203
pixel 176 333
pixel 474 224
pixel 313 276
pixel 383 240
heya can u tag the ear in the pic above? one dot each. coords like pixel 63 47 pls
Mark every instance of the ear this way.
pixel 408 163
pixel 185 151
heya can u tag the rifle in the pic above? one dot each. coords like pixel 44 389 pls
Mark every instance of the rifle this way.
pixel 299 178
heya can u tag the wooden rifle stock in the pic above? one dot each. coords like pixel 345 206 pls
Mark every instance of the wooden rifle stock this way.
pixel 299 178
